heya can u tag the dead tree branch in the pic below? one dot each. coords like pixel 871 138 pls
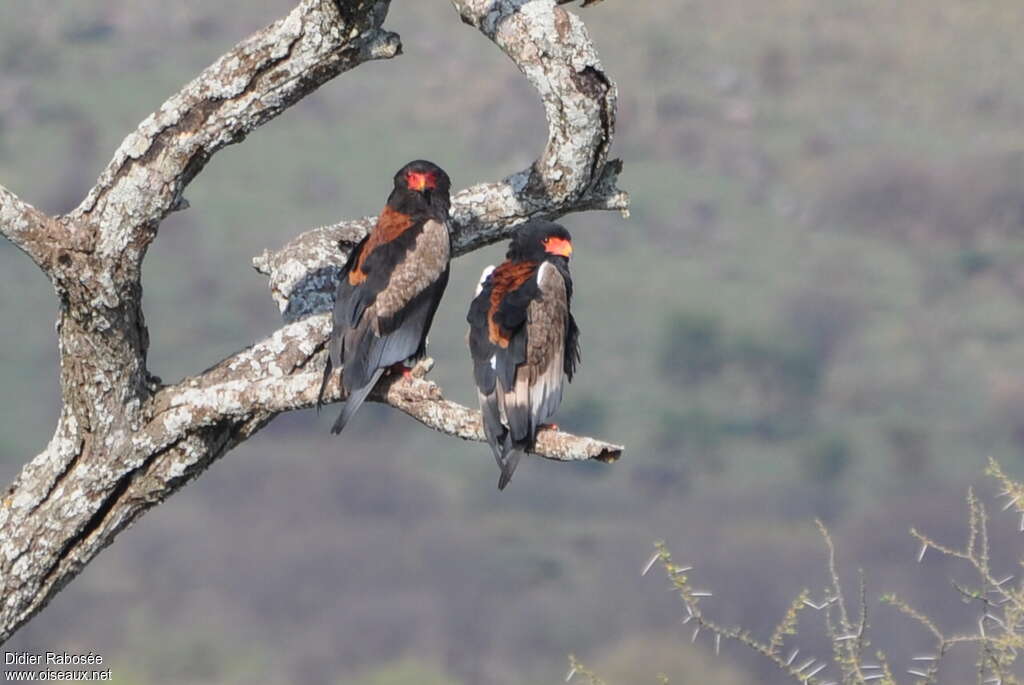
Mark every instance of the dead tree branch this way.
pixel 551 47
pixel 29 229
pixel 124 442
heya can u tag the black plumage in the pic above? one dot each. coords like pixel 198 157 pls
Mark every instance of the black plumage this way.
pixel 523 340
pixel 391 285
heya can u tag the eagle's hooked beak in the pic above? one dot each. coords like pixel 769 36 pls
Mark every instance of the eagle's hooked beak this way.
pixel 558 246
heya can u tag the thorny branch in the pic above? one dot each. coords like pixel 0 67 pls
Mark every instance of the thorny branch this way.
pixel 124 442
pixel 999 638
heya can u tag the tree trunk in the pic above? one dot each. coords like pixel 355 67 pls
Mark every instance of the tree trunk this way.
pixel 125 442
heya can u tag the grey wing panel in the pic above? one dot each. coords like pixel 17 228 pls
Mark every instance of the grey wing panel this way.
pixel 392 326
pixel 406 336
pixel 494 429
pixel 537 392
pixel 367 350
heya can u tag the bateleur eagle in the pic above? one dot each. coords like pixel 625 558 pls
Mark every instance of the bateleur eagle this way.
pixel 523 340
pixel 389 289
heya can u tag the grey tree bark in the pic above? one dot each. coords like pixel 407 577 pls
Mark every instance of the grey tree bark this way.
pixel 124 442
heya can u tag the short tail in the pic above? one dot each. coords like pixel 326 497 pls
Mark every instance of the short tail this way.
pixel 508 467
pixel 328 367
pixel 354 401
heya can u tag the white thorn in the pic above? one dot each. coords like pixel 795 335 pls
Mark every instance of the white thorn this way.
pixel 650 564
pixel 1011 503
pixel 844 638
pixel 919 674
pixel 995 619
pixel 873 676
pixel 696 632
pixel 718 643
pixel 684 569
pixel 1004 580
pixel 700 594
pixel 792 656
pixel 920 555
pixel 816 671
pixel 571 674
pixel 687 619
pixel 981 626
pixel 806 664
pixel 925 657
pixel 873 667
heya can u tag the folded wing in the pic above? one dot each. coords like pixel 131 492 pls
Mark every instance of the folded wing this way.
pixel 522 352
pixel 387 296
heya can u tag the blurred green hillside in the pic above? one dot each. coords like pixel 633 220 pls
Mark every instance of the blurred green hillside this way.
pixel 814 311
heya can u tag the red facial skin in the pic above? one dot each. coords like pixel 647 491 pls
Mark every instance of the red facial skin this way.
pixel 558 246
pixel 420 181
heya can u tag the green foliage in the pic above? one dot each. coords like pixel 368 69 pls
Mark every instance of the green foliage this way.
pixel 695 348
pixel 787 374
pixel 201 656
pixel 973 261
pixel 402 672
pixel 692 435
pixel 630 661
pixel 827 459
pixel 692 348
pixel 587 415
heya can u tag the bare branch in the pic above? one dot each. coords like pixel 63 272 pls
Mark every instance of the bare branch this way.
pixel 123 444
pixel 304 273
pixel 26 227
pixel 424 401
pixel 272 377
pixel 553 50
pixel 245 88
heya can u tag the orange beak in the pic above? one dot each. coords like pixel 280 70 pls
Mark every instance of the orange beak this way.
pixel 421 181
pixel 559 246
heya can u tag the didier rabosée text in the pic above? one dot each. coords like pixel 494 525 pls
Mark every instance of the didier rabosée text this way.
pixel 51 659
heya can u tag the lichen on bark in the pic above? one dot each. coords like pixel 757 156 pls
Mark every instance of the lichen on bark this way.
pixel 124 441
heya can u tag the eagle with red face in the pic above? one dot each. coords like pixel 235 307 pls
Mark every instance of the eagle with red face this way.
pixel 389 288
pixel 523 340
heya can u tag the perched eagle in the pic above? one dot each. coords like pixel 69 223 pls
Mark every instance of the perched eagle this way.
pixel 391 285
pixel 523 340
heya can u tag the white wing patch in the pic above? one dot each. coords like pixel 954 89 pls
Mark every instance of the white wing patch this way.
pixel 483 278
pixel 545 273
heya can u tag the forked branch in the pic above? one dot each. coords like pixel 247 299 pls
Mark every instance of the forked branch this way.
pixel 124 442
pixel 26 227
